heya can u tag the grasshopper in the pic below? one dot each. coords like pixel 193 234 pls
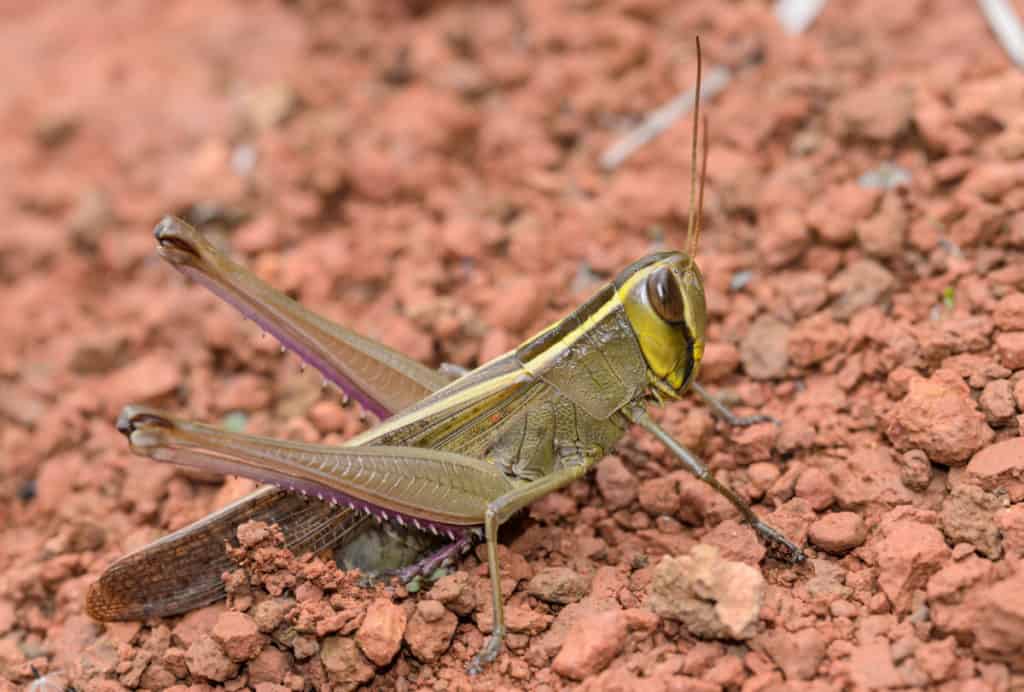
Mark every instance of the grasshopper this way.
pixel 455 455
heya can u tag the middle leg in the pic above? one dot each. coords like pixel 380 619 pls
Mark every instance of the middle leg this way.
pixel 767 533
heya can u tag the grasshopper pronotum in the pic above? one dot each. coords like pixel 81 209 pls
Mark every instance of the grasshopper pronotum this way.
pixel 455 457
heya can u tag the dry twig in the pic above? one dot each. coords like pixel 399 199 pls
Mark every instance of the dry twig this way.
pixel 1005 24
pixel 796 15
pixel 661 119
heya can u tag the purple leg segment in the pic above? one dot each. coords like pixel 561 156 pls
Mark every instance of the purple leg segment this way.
pixel 441 557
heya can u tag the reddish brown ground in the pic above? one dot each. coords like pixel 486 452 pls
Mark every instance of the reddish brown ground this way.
pixel 427 173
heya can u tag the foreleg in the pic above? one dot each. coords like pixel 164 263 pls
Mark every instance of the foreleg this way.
pixel 725 413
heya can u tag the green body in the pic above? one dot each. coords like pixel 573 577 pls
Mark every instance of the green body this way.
pixel 458 458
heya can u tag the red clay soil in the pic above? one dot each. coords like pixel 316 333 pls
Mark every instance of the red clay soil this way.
pixel 428 173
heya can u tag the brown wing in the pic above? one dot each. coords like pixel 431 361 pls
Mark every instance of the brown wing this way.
pixel 182 570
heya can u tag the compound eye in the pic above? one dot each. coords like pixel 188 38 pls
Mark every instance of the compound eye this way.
pixel 663 293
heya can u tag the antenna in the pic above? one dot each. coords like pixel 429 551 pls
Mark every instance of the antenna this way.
pixel 700 196
pixel 694 223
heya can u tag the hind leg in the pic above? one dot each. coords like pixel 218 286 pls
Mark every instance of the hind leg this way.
pixel 442 557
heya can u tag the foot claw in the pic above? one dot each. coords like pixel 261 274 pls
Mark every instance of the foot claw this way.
pixel 778 545
pixel 487 655
pixel 726 414
pixel 746 421
pixel 788 552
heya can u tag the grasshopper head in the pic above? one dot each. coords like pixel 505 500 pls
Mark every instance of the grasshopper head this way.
pixel 664 302
pixel 664 296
